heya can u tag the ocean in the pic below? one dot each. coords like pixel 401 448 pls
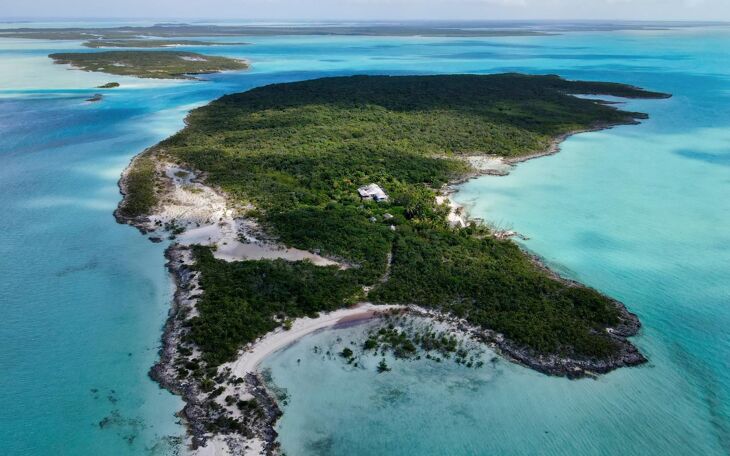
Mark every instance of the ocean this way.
pixel 639 212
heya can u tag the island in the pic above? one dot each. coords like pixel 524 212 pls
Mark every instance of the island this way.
pixel 149 64
pixel 475 29
pixel 95 98
pixel 294 206
pixel 177 30
pixel 150 43
pixel 108 85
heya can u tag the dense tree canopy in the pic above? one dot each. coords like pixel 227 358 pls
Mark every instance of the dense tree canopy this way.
pixel 299 151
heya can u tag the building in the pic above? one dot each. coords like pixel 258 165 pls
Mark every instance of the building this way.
pixel 373 192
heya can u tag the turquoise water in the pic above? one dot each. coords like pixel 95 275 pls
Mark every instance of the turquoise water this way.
pixel 639 212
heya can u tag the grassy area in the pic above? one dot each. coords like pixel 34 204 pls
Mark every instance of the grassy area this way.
pixel 149 43
pixel 140 182
pixel 299 152
pixel 149 64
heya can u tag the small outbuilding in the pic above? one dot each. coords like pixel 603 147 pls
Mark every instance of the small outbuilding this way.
pixel 372 192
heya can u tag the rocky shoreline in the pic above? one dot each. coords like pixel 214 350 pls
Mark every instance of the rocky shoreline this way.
pixel 554 147
pixel 141 223
pixel 215 415
pixel 572 368
pixel 628 355
pixel 504 163
pixel 204 418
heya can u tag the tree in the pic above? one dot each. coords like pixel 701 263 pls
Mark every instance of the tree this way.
pixel 383 366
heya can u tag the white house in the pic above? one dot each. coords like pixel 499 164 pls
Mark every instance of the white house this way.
pixel 373 192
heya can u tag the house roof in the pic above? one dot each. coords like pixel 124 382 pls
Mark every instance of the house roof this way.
pixel 372 191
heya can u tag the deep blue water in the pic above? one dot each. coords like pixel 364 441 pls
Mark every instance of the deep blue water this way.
pixel 639 212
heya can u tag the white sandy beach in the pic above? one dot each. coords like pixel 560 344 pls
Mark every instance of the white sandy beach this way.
pixel 281 338
pixel 253 355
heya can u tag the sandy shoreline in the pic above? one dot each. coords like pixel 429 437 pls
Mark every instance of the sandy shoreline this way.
pixel 496 165
pixel 281 338
pixel 246 366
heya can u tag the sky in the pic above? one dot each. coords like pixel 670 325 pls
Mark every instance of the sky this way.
pixel 715 10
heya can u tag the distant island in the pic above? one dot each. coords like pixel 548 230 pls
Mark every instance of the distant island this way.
pixel 294 199
pixel 473 29
pixel 150 43
pixel 95 98
pixel 149 64
pixel 176 30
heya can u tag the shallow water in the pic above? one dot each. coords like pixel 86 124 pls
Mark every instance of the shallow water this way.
pixel 637 212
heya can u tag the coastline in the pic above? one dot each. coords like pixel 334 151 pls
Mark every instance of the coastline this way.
pixel 500 165
pixel 281 338
pixel 197 412
pixel 554 147
pixel 571 368
pixel 150 64
pixel 497 165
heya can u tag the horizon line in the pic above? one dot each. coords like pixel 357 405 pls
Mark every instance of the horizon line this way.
pixel 183 20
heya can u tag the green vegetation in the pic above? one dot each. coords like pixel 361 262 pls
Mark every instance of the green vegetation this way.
pixel 244 300
pixel 140 180
pixel 149 43
pixel 299 152
pixel 109 85
pixel 188 30
pixel 149 64
pixel 383 366
pixel 389 337
pixel 414 338
pixel 491 283
pixel 348 354
pixel 473 29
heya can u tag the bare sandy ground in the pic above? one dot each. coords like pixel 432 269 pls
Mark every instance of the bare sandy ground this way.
pixel 489 164
pixel 207 218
